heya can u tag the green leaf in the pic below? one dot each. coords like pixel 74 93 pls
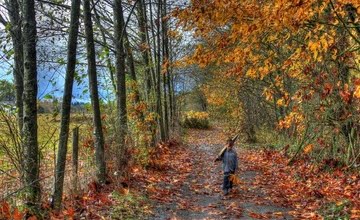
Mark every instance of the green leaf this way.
pixel 48 96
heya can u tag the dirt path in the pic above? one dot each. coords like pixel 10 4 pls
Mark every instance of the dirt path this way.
pixel 195 192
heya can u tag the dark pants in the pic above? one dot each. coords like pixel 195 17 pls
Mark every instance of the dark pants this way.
pixel 227 183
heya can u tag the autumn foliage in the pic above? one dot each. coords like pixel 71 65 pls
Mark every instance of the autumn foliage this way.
pixel 283 74
pixel 303 56
pixel 192 119
pixel 308 187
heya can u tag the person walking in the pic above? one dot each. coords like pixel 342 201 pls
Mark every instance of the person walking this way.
pixel 229 165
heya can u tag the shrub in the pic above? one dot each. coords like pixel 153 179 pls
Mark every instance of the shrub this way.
pixel 192 119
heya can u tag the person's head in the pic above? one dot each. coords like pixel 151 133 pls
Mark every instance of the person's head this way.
pixel 229 143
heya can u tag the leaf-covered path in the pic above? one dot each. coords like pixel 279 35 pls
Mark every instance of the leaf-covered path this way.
pixel 191 187
pixel 182 181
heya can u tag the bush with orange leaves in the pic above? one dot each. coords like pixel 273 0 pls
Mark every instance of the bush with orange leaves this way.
pixel 193 119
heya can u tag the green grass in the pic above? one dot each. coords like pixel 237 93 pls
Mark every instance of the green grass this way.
pixel 336 210
pixel 130 206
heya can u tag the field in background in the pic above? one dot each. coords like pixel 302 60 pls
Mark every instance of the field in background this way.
pixel 48 137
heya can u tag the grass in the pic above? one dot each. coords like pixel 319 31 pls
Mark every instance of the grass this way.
pixel 130 206
pixel 48 138
pixel 336 210
pixel 271 138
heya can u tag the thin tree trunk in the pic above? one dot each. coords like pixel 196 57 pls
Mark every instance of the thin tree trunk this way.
pixel 121 86
pixel 94 95
pixel 18 73
pixel 158 70
pixel 169 85
pixel 29 139
pixel 166 110
pixel 169 89
pixel 66 104
pixel 172 90
pixel 148 58
pixel 174 104
pixel 131 65
pixel 166 75
pixel 153 56
pixel 144 47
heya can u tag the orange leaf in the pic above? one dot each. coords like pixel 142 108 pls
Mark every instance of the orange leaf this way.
pixel 308 148
pixel 345 94
pixel 17 215
pixel 355 213
pixel 70 212
pixel 357 91
pixel 5 210
pixel 257 216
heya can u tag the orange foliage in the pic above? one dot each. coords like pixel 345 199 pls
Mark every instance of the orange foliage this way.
pixel 277 40
pixel 305 186
pixel 8 212
pixel 308 148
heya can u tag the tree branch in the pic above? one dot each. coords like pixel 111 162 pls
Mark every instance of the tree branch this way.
pixel 3 21
pixel 55 4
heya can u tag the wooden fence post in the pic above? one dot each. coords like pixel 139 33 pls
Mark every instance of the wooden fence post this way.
pixel 75 157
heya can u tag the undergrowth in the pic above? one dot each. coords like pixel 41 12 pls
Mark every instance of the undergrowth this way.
pixel 336 210
pixel 129 206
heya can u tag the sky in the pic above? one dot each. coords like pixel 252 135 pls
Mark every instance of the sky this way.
pixel 51 79
pixel 49 83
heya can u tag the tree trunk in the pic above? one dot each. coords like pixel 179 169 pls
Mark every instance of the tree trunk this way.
pixel 94 95
pixel 29 139
pixel 166 75
pixel 173 114
pixel 66 104
pixel 158 73
pixel 135 86
pixel 121 86
pixel 152 56
pixel 166 109
pixel 174 111
pixel 144 47
pixel 148 59
pixel 16 34
pixel 169 88
pixel 152 53
pixel 131 65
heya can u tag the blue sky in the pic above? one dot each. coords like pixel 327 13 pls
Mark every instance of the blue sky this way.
pixel 45 85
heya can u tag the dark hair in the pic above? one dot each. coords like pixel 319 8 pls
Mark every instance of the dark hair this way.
pixel 229 141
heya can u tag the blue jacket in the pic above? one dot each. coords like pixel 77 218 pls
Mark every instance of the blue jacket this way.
pixel 230 162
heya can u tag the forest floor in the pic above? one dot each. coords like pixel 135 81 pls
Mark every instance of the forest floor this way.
pixel 182 181
pixel 188 183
